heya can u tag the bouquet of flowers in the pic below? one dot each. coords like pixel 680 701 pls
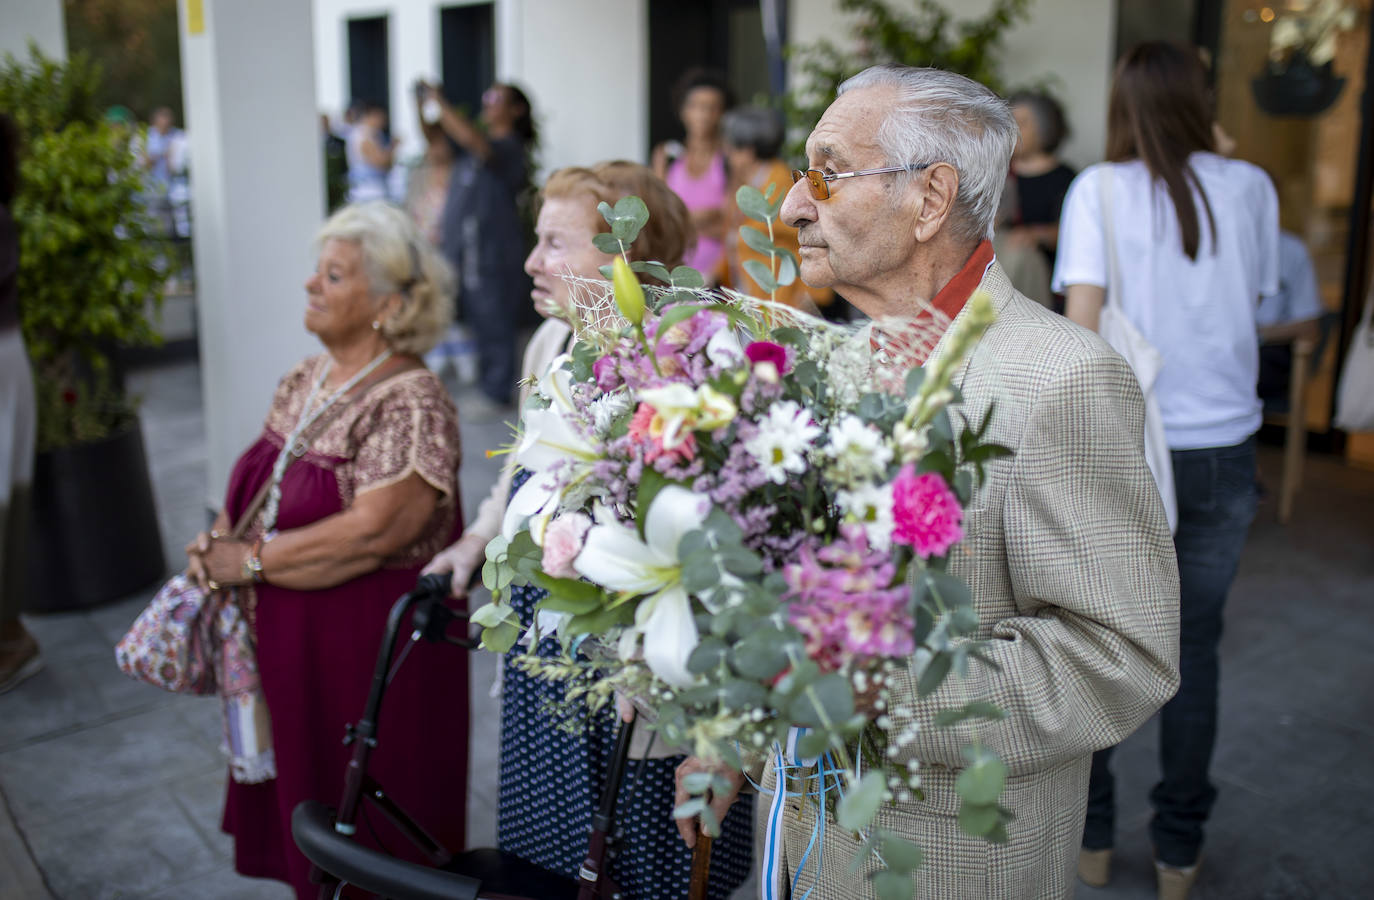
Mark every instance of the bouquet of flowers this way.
pixel 743 517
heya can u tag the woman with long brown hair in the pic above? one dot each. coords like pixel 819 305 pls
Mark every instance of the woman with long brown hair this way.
pixel 1187 240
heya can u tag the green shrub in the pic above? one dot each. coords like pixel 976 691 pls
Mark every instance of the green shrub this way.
pixel 928 35
pixel 87 269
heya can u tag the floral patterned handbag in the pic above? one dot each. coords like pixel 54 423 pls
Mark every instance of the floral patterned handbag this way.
pixel 169 644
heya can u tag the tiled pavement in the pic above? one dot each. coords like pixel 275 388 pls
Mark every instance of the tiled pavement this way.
pixel 114 789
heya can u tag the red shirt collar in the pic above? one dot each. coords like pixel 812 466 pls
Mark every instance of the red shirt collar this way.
pixel 952 297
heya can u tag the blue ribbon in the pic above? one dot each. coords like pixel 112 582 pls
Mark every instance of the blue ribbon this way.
pixel 829 777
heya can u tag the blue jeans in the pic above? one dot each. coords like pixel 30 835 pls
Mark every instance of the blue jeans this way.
pixel 1216 503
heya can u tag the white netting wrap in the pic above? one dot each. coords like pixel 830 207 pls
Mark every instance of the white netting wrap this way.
pixel 859 353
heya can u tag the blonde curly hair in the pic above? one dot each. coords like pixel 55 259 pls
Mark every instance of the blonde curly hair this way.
pixel 398 259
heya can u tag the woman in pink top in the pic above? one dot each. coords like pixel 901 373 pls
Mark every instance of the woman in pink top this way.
pixel 696 170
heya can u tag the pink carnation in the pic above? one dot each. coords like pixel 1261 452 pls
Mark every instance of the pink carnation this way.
pixel 563 540
pixel 926 513
pixel 767 351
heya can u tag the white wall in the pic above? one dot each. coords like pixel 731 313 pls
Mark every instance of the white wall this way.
pixel 259 198
pixel 413 48
pixel 585 66
pixel 583 63
pixel 40 20
pixel 1069 40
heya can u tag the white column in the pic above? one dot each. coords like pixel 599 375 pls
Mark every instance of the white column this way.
pixel 258 197
pixel 39 20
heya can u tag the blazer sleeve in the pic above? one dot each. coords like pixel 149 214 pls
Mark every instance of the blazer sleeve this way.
pixel 1092 649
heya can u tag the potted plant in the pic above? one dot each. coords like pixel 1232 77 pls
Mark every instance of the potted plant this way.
pixel 87 272
pixel 928 35
pixel 1298 79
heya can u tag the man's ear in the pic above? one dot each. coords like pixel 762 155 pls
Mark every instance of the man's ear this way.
pixel 942 186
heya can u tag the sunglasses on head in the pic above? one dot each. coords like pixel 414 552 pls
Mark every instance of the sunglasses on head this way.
pixel 820 182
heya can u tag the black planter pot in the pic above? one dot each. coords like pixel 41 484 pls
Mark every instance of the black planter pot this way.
pixel 95 536
pixel 1297 88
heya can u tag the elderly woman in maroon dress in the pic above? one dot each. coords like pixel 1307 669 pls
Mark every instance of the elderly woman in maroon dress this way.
pixel 348 528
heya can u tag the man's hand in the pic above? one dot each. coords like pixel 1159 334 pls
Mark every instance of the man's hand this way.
pixel 718 802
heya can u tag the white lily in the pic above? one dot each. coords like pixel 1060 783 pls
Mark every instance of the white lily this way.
pixel 537 501
pixel 683 409
pixel 615 558
pixel 547 436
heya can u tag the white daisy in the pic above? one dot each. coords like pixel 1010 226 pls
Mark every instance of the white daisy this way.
pixel 857 450
pixel 784 437
pixel 870 505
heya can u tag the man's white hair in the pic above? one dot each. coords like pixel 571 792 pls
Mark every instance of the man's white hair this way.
pixel 943 117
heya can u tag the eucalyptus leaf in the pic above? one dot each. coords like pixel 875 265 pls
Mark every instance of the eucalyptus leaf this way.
pixel 634 209
pixel 824 703
pixel 489 615
pixel 856 809
pixel 500 638
pixel 978 819
pixel 606 243
pixel 934 674
pixel 977 709
pixel 914 379
pixel 760 656
pixel 697 782
pixel 757 240
pixel 889 885
pixel 689 808
pixel 699 578
pixel 753 204
pixel 813 744
pixel 708 654
pixel 900 854
pixel 687 277
pixel 762 275
pixel 651 268
pixel 600 620
pixel 787 269
pixel 982 783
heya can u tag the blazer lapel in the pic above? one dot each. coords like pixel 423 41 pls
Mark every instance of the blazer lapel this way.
pixel 998 286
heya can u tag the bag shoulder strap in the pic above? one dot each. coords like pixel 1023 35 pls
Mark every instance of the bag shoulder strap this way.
pixel 1109 222
pixel 316 428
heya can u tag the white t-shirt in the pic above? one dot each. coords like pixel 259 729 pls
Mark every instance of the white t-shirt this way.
pixel 1199 314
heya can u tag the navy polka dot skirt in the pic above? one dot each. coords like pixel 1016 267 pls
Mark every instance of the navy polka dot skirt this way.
pixel 551 781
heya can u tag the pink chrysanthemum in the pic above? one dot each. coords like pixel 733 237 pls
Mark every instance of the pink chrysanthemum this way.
pixel 926 513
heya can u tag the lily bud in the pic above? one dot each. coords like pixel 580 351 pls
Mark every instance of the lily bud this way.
pixel 629 294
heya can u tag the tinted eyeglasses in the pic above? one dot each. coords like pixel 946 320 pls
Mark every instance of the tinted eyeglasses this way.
pixel 820 181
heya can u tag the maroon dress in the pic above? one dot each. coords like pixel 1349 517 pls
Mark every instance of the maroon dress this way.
pixel 316 649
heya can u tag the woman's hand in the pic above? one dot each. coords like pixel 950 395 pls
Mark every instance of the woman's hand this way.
pixel 223 562
pixel 719 803
pixel 195 559
pixel 463 558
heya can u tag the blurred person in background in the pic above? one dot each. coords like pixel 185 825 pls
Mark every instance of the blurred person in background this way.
pixel 482 234
pixel 695 168
pixel 753 137
pixel 19 656
pixel 370 153
pixel 550 779
pixel 1042 179
pixel 1196 247
pixel 335 164
pixel 371 496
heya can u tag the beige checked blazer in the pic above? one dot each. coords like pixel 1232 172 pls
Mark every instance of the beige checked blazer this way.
pixel 1074 578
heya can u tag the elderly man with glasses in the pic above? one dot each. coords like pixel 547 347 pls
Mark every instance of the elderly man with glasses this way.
pixel 1066 546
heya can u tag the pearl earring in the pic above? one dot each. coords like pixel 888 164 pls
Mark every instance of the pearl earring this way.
pixel 376 326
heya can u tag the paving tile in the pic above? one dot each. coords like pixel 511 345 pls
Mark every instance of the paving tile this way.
pixel 201 797
pixel 100 765
pixel 65 636
pixel 225 884
pixel 130 847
